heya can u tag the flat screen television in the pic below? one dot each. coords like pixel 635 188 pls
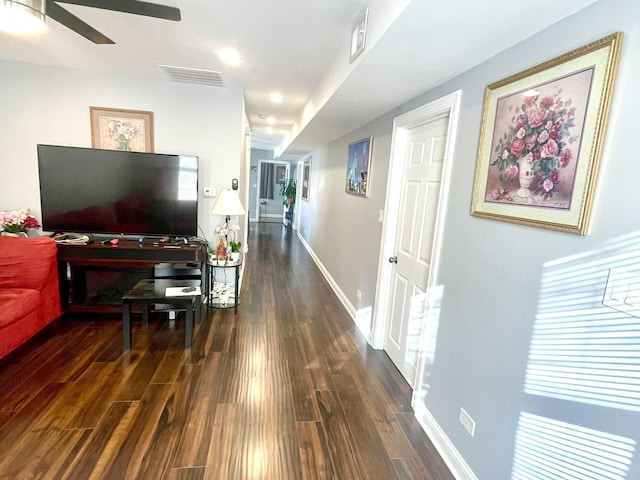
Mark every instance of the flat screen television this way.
pixel 86 190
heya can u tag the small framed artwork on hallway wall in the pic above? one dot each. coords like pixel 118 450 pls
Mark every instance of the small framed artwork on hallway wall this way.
pixel 358 166
pixel 541 138
pixel 306 179
pixel 117 129
pixel 281 174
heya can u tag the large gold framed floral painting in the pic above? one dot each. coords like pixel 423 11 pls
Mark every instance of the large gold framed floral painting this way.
pixel 118 129
pixel 541 139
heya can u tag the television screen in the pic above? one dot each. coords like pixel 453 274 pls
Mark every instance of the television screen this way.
pixel 86 190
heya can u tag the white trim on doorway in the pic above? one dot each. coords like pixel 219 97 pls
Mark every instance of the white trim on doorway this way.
pixel 448 105
pixel 297 206
pixel 257 204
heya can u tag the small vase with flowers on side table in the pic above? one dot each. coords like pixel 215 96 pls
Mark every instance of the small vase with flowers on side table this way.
pixel 17 223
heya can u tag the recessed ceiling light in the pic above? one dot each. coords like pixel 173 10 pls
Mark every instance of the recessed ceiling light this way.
pixel 271 120
pixel 229 56
pixel 276 97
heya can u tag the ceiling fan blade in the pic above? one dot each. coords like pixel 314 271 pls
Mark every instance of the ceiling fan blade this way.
pixel 62 16
pixel 131 6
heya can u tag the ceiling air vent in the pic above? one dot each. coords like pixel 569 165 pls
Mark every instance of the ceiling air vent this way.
pixel 194 75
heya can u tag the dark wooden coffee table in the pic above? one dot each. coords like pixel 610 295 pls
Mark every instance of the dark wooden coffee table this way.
pixel 154 291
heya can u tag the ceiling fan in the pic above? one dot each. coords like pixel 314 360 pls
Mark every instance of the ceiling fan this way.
pixel 51 9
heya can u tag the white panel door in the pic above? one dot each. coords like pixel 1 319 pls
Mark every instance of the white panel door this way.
pixel 423 167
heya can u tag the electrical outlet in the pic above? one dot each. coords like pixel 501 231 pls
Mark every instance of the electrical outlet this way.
pixel 467 422
pixel 381 216
pixel 358 293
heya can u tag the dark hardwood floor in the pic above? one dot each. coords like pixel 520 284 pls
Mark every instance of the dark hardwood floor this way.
pixel 287 389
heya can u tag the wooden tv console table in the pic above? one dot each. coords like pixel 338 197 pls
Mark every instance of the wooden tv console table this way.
pixel 94 277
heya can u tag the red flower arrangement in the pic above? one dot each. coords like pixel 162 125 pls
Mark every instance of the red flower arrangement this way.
pixel 18 221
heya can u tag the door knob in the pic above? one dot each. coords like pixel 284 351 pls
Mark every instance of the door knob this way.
pixel 393 259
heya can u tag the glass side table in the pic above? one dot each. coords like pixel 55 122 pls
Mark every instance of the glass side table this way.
pixel 223 279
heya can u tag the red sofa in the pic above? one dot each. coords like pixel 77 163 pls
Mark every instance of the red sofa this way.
pixel 29 295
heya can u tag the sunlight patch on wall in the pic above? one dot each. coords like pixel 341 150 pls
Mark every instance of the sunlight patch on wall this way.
pixel 363 320
pixel 551 450
pixel 429 341
pixel 417 320
pixel 594 362
pixel 582 350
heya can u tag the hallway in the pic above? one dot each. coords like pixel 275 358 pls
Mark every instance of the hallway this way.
pixel 286 389
pixel 350 406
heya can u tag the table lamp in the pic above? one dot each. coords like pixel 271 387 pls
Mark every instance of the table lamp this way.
pixel 228 204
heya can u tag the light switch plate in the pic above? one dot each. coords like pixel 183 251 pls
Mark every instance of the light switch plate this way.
pixel 210 191
pixel 622 292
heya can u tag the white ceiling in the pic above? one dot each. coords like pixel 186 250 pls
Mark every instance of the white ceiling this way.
pixel 300 48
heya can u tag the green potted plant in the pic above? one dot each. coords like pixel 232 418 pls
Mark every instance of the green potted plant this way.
pixel 235 250
pixel 288 193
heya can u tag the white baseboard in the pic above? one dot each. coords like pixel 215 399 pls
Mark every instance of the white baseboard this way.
pixel 443 445
pixel 459 468
pixel 351 310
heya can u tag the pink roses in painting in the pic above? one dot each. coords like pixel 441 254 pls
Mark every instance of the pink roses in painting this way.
pixel 538 134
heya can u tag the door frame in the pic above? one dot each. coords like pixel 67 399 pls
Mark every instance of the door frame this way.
pixel 447 105
pixel 260 162
pixel 297 206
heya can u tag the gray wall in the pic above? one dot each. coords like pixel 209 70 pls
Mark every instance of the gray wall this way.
pixel 343 229
pixel 501 281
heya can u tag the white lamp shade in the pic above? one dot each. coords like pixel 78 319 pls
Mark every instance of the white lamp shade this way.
pixel 228 204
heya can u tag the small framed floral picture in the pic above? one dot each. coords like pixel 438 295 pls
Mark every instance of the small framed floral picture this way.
pixel 113 129
pixel 541 138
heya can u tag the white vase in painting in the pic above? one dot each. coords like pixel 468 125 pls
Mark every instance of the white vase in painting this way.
pixel 525 176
